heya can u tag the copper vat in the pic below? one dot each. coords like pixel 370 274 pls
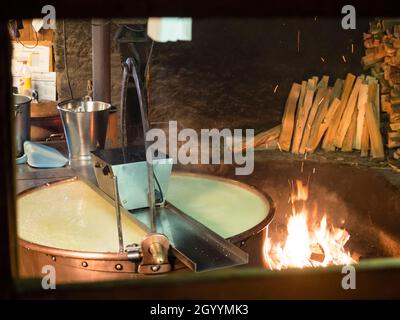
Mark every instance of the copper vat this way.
pixel 80 266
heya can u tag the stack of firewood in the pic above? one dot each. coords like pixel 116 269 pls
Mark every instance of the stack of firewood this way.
pixel 344 117
pixel 382 44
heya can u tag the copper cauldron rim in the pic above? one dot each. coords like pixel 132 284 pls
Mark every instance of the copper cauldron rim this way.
pixel 123 255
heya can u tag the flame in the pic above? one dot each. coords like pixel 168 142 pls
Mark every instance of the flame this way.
pixel 318 246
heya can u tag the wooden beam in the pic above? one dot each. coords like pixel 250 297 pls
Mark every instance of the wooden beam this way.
pixel 288 119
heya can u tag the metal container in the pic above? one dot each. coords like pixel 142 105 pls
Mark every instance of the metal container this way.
pixel 76 266
pixel 129 166
pixel 45 122
pixel 85 126
pixel 22 112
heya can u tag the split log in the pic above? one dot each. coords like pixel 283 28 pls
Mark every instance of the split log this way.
pixel 362 100
pixel 377 104
pixel 337 90
pixel 303 115
pixel 348 141
pixel 288 120
pixel 365 140
pixel 261 138
pixel 394 99
pixel 319 118
pixel 348 113
pixel 373 90
pixel 374 57
pixel 393 144
pixel 395 126
pixel 319 99
pixel 272 145
pixel 323 82
pixel 394 117
pixel 395 136
pixel 385 102
pixel 315 140
pixel 328 143
pixel 302 95
pixel 374 133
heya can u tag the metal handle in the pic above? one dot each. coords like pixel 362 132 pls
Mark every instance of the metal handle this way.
pixel 35 95
pixel 129 69
pixel 118 212
pixel 55 137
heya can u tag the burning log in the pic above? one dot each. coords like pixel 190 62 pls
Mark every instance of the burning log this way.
pixel 317 253
pixel 308 242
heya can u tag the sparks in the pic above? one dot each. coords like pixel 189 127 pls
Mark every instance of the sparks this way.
pixel 298 41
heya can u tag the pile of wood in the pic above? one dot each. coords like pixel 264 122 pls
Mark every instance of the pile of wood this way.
pixel 382 57
pixel 344 117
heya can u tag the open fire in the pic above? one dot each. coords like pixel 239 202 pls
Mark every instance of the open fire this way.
pixel 308 243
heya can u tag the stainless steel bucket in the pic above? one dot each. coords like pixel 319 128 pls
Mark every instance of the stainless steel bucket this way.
pixel 85 126
pixel 22 111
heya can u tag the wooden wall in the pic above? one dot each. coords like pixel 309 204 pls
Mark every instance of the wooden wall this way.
pixel 28 34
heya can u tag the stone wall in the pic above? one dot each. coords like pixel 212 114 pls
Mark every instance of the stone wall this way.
pixel 79 56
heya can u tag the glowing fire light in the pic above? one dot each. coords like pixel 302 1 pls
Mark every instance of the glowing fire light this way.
pixel 317 246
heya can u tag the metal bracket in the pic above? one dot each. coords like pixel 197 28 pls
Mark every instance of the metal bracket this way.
pixel 152 254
